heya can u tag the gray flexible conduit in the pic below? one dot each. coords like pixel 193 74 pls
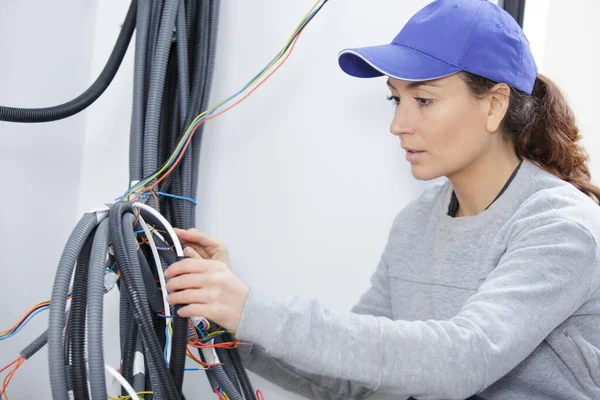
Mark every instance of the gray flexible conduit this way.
pixel 139 88
pixel 156 87
pixel 95 300
pixel 76 325
pixel 172 84
pixel 58 301
pixel 215 6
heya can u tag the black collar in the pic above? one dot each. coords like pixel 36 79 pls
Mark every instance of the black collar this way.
pixel 453 206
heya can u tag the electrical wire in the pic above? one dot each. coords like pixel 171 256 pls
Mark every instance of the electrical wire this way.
pixel 206 115
pixel 17 364
pixel 128 397
pixel 122 381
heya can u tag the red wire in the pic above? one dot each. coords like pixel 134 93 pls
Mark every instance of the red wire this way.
pixel 259 395
pixel 224 111
pixel 8 377
pixel 201 362
pixel 12 363
pixel 219 394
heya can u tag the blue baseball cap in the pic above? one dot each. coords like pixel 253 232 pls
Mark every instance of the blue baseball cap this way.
pixel 446 37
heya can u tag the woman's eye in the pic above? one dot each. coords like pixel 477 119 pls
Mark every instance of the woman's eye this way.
pixel 423 102
pixel 394 99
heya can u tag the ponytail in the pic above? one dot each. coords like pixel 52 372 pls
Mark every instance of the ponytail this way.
pixel 542 128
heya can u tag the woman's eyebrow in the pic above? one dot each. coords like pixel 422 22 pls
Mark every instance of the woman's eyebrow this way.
pixel 413 85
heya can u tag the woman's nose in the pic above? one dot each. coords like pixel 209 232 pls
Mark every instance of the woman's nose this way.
pixel 402 122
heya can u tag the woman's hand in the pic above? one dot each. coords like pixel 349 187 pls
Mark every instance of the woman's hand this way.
pixel 206 287
pixel 207 247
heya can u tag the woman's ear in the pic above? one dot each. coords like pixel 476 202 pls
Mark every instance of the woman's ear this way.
pixel 498 98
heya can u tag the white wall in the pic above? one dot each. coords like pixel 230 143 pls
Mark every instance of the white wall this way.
pixel 302 180
pixel 46 52
pixel 572 61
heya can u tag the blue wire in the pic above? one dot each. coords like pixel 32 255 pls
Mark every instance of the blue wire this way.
pixel 177 197
pixel 29 318
pixel 166 344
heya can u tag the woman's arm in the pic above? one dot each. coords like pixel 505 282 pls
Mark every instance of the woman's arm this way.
pixel 541 280
pixel 375 301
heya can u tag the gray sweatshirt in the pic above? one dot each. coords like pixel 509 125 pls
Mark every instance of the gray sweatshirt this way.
pixel 504 304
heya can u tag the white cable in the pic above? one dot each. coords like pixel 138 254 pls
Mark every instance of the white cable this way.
pixel 132 394
pixel 161 277
pixel 158 263
pixel 165 223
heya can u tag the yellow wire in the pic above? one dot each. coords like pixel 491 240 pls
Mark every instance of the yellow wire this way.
pixel 211 335
pixel 128 397
pixel 287 42
pixel 184 137
pixel 225 395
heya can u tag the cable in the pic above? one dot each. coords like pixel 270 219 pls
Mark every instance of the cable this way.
pixel 95 303
pixel 181 147
pixel 18 362
pixel 58 373
pixel 122 381
pixel 13 114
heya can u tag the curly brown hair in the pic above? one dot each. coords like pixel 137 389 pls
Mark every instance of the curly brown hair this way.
pixel 542 128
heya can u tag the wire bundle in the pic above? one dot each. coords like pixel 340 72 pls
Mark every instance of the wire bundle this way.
pixel 132 242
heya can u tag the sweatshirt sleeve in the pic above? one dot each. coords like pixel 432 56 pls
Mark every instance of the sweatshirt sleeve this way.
pixel 376 301
pixel 543 277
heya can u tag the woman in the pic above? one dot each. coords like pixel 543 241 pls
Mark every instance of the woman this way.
pixel 489 281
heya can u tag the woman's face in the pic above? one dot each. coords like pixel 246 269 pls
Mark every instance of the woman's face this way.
pixel 442 126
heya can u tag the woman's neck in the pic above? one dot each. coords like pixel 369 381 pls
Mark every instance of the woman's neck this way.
pixel 477 186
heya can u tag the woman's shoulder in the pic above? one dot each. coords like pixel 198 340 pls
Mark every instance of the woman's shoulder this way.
pixel 553 199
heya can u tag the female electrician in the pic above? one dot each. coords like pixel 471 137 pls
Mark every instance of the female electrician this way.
pixel 488 284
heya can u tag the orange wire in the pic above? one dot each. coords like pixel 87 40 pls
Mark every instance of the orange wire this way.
pixel 193 329
pixel 201 362
pixel 224 111
pixel 9 377
pixel 9 365
pixel 24 317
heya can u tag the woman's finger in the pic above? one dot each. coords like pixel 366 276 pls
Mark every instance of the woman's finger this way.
pixel 189 296
pixel 195 252
pixel 187 281
pixel 195 236
pixel 195 310
pixel 189 266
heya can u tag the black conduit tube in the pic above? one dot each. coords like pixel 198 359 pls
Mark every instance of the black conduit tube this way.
pixel 226 384
pixel 178 350
pixel 13 114
pixel 124 244
pixel 58 301
pixel 245 382
pixel 212 379
pixel 95 301
pixel 77 316
pixel 178 347
pixel 228 366
pixel 155 299
pixel 128 355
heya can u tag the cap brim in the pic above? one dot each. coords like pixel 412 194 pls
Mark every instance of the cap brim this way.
pixel 395 61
